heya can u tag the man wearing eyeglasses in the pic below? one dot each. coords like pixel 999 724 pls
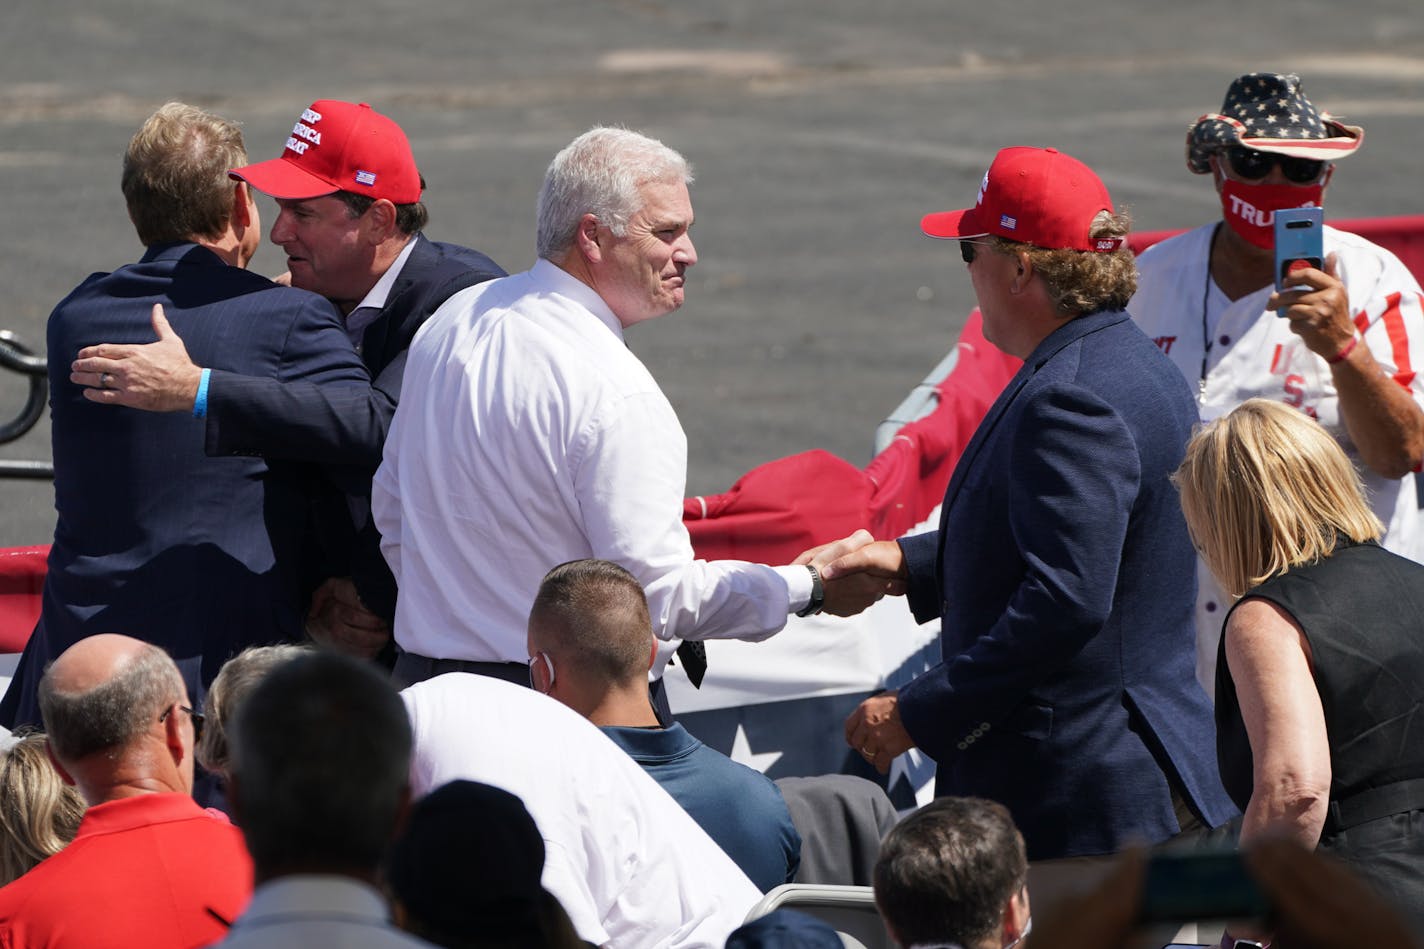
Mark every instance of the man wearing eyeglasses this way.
pixel 1352 334
pixel 149 867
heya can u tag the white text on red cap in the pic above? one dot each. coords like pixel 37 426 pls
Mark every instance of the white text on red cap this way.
pixel 304 131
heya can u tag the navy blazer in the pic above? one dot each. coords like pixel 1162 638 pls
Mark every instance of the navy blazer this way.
pixel 346 429
pixel 154 539
pixel 1065 579
pixel 259 415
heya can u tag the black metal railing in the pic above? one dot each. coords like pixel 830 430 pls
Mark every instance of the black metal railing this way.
pixel 17 357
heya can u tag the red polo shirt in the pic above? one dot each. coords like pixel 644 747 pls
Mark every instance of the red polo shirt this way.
pixel 153 871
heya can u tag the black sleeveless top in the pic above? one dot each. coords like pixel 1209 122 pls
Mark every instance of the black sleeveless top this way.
pixel 1362 611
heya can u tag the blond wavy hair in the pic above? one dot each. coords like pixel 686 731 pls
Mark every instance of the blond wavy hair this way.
pixel 1081 281
pixel 1265 489
pixel 39 813
pixel 175 174
pixel 235 681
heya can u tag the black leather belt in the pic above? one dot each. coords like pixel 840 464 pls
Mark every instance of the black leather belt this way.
pixel 1374 803
pixel 412 667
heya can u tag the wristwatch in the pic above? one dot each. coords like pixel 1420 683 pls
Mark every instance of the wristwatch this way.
pixel 818 594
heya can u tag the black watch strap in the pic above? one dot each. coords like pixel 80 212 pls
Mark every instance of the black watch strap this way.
pixel 818 594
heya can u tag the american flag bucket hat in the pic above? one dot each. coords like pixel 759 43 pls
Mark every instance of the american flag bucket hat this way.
pixel 1268 112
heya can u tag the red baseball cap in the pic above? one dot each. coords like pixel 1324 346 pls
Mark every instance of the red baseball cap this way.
pixel 339 146
pixel 1036 195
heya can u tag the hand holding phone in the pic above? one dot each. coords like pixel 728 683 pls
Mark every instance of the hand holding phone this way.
pixel 1299 243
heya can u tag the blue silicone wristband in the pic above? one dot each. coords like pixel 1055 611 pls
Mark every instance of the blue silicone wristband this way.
pixel 200 404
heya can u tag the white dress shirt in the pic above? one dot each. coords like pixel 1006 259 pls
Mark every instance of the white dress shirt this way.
pixel 528 435
pixel 627 863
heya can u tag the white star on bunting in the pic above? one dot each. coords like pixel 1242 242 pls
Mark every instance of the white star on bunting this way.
pixel 742 753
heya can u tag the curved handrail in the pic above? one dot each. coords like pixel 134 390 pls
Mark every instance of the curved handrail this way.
pixel 17 357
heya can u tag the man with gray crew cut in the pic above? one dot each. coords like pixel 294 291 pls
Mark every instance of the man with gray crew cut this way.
pixel 529 435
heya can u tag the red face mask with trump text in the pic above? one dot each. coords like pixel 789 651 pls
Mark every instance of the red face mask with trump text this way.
pixel 1251 209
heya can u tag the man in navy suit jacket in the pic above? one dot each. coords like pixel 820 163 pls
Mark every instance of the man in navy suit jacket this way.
pixel 154 539
pixel 350 217
pixel 1062 570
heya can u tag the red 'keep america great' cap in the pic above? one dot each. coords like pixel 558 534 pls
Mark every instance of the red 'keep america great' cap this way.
pixel 339 146
pixel 1039 196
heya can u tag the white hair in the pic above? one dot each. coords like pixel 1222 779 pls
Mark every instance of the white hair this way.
pixel 600 173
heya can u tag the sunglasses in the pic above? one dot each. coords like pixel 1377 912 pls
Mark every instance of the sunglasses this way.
pixel 966 249
pixel 1253 165
pixel 197 718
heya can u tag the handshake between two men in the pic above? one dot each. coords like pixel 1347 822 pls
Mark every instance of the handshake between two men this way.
pixel 856 571
pixel 861 570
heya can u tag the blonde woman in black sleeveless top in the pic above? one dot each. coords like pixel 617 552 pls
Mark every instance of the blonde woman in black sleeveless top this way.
pixel 1320 671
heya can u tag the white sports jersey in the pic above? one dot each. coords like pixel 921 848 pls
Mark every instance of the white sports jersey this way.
pixel 1251 352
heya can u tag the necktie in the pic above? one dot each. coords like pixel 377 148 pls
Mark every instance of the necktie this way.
pixel 693 655
pixel 357 321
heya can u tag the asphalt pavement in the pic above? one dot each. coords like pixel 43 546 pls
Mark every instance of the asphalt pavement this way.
pixel 820 132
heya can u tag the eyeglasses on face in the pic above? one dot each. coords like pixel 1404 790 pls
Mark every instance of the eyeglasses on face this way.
pixel 966 249
pixel 1252 165
pixel 197 717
